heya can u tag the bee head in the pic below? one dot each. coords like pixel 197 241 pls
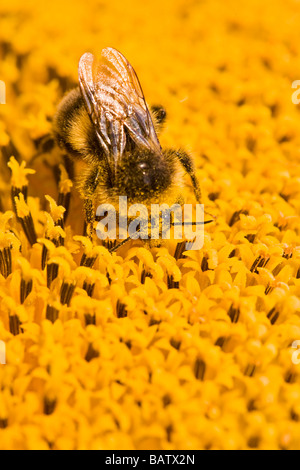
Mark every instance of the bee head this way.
pixel 143 175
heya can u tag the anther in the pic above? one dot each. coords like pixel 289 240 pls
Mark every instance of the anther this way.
pixel 3 423
pixel 5 262
pixel 25 289
pixel 121 310
pixel 52 273
pixel 91 353
pixel 199 369
pixel 64 195
pixel 25 218
pixel 144 275
pixel 66 293
pixel 52 313
pixel 90 319
pixel 14 325
pixel 180 249
pixel 89 288
pixel 88 261
pixel 273 315
pixel 49 406
pixel 234 314
pixel 171 283
pixel 250 370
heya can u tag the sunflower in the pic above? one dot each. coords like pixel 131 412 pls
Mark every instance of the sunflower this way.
pixel 154 347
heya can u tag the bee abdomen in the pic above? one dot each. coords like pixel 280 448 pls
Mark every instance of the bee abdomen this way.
pixel 73 129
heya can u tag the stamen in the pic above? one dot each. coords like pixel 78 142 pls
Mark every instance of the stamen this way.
pixel 153 321
pixel 166 399
pixel 175 343
pixel 108 278
pixel 52 313
pixel 28 227
pixel 221 341
pixel 54 231
pixel 253 442
pixel 45 253
pixel 121 310
pixel 250 370
pixel 169 431
pixel 90 251
pixel 64 195
pixel 3 423
pixel 57 213
pixel 273 315
pixel 19 181
pixel 5 262
pixel 110 245
pixel 88 278
pixel 8 242
pixel 204 264
pixel 251 237
pixel 290 377
pixel 254 265
pixel 269 289
pixel 54 237
pixel 15 193
pixel 171 283
pixel 144 275
pixel 260 262
pixel 14 325
pixel 25 218
pixel 52 273
pixel 64 201
pixel 89 288
pixel 236 217
pixel 294 416
pixel 234 314
pixel 90 319
pixel 180 249
pixel 213 196
pixel 91 353
pixel 288 253
pixel 251 405
pixel 66 293
pixel 49 405
pixel 199 369
pixel 88 261
pixel 25 289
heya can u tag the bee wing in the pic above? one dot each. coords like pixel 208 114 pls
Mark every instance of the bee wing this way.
pixel 115 102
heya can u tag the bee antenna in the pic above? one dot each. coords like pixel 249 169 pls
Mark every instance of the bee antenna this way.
pixel 211 215
pixel 192 223
pixel 115 248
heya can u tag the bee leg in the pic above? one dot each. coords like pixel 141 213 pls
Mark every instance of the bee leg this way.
pixel 69 166
pixel 89 217
pixel 89 190
pixel 159 116
pixel 44 144
pixel 188 164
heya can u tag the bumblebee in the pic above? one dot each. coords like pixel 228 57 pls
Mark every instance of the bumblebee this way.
pixel 106 123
